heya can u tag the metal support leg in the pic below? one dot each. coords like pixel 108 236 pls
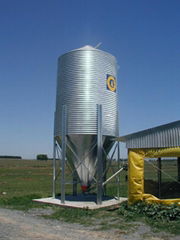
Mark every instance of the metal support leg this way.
pixel 64 115
pixel 99 155
pixel 54 170
pixel 105 174
pixel 159 177
pixel 74 183
pixel 118 182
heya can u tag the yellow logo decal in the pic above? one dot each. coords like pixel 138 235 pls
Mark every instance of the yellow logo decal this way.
pixel 111 83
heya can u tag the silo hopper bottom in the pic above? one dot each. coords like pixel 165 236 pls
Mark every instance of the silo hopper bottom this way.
pixel 82 156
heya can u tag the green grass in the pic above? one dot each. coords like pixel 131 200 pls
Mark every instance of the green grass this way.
pixel 100 219
pixel 21 177
pixel 21 202
pixel 21 181
pixel 83 216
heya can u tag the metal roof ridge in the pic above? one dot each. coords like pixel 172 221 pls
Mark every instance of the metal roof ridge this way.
pixel 150 130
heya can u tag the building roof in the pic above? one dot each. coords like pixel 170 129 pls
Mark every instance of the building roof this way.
pixel 167 135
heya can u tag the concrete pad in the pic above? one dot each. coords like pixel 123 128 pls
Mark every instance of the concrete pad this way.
pixel 77 202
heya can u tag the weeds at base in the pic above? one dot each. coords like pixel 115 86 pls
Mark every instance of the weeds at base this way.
pixel 159 217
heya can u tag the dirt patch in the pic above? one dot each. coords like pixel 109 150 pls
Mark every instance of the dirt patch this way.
pixel 19 225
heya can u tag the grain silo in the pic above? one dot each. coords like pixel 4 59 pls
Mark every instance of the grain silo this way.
pixel 86 115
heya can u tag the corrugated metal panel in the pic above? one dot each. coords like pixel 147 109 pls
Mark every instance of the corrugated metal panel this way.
pixel 83 77
pixel 81 85
pixel 167 135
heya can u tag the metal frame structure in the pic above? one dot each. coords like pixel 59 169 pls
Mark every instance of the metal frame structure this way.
pixel 59 153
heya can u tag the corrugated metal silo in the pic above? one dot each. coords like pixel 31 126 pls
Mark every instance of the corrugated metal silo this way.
pixel 86 77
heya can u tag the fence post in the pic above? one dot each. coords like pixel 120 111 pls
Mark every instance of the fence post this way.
pixel 159 177
pixel 178 167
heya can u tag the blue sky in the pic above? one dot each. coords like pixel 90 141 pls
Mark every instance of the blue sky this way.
pixel 144 36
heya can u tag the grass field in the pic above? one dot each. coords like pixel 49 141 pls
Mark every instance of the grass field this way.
pixel 23 177
pixel 23 180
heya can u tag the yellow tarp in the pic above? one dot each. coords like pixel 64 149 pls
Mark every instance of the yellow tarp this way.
pixel 136 173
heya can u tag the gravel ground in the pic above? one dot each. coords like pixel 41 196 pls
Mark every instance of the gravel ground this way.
pixel 19 225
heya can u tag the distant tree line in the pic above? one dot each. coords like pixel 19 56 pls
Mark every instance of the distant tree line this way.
pixel 42 157
pixel 14 157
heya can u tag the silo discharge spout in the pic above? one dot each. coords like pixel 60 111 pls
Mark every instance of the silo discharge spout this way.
pixel 84 188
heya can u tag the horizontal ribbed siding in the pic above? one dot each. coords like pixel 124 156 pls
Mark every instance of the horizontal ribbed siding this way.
pixel 81 85
pixel 163 136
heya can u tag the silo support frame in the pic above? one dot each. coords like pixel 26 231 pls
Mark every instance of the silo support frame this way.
pixel 75 179
pixel 59 152
pixel 62 159
pixel 99 156
pixel 54 169
pixel 116 174
pixel 106 156
pixel 64 123
pixel 57 170
pixel 118 180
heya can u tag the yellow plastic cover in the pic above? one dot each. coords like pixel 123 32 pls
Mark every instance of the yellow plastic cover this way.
pixel 136 173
